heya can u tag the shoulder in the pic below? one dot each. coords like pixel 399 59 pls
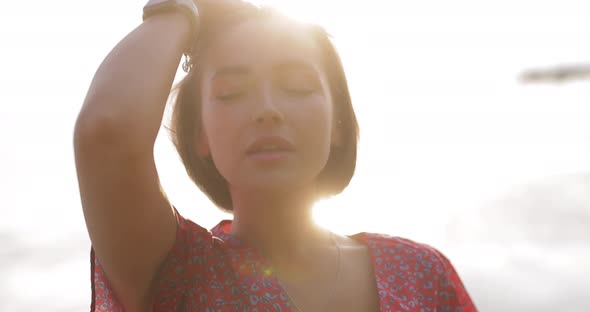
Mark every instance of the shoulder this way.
pixel 405 257
pixel 191 234
pixel 410 267
pixel 403 248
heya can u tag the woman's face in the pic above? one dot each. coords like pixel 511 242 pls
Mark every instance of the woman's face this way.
pixel 267 110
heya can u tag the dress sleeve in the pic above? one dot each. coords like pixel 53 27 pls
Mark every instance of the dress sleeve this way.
pixel 192 242
pixel 452 295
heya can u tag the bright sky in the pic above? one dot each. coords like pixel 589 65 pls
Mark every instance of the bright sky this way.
pixel 445 123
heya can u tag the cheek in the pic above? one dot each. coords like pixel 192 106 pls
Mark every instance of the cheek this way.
pixel 223 130
pixel 315 123
pixel 317 112
pixel 218 129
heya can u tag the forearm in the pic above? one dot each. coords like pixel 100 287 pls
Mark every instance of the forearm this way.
pixel 128 94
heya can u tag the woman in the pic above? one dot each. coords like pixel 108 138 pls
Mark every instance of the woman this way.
pixel 264 125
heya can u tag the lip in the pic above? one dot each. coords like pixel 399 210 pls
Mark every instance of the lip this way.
pixel 282 144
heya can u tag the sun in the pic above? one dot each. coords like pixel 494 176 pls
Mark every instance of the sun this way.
pixel 340 214
pixel 325 214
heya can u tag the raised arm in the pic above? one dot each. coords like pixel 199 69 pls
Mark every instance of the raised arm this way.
pixel 131 224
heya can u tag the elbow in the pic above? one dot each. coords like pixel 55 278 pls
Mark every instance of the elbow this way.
pixel 94 128
pixel 96 138
pixel 98 130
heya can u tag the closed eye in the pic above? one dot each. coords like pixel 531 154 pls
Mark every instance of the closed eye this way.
pixel 299 82
pixel 230 96
pixel 230 87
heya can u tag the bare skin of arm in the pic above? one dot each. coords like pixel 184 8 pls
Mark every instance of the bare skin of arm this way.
pixel 130 222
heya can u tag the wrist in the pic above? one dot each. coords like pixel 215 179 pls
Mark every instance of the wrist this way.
pixel 175 26
pixel 180 10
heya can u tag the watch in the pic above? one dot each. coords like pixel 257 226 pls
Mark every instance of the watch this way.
pixel 187 7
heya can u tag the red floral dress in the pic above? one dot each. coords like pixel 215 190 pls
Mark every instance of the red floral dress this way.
pixel 212 271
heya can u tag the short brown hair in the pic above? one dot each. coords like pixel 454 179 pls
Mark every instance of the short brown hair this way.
pixel 185 124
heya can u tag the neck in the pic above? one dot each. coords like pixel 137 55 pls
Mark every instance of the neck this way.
pixel 281 227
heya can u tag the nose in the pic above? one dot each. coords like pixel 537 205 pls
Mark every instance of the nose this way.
pixel 268 111
pixel 268 115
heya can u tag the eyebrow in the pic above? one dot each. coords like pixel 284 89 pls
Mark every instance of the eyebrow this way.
pixel 295 64
pixel 231 70
pixel 244 70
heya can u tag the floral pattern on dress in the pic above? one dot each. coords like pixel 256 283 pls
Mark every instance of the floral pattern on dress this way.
pixel 213 271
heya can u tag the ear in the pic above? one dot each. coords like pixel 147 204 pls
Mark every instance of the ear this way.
pixel 337 135
pixel 203 149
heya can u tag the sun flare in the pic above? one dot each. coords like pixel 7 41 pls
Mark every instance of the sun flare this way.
pixel 303 10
